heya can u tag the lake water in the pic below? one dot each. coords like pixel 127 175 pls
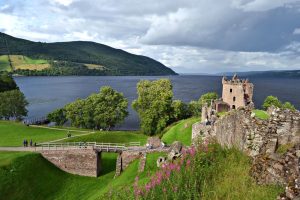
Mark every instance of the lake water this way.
pixel 48 93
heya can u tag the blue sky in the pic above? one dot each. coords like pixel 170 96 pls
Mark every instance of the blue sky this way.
pixel 191 36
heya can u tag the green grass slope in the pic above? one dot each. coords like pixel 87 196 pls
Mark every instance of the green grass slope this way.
pixel 261 114
pixel 180 131
pixel 30 176
pixel 112 137
pixel 117 61
pixel 13 134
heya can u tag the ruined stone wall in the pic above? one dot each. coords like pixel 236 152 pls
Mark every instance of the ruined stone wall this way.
pixel 84 162
pixel 125 158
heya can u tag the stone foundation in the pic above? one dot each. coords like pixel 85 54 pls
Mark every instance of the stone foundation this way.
pixel 84 162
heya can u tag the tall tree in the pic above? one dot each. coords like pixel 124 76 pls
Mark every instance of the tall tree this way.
pixel 13 105
pixel 7 82
pixel 179 110
pixel 58 116
pixel 74 112
pixel 109 106
pixel 154 105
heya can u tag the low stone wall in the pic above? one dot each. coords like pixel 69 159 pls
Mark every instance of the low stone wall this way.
pixel 84 162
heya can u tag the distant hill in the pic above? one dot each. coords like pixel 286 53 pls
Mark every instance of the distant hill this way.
pixel 275 73
pixel 73 58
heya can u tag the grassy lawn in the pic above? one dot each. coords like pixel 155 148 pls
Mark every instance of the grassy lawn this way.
pixel 112 137
pixel 181 131
pixel 4 63
pixel 24 62
pixel 13 134
pixel 261 114
pixel 36 178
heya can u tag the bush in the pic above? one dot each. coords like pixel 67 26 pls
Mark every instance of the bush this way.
pixel 288 105
pixel 271 101
pixel 194 108
pixel 206 98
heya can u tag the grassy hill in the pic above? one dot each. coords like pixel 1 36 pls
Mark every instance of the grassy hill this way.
pixel 84 58
pixel 180 131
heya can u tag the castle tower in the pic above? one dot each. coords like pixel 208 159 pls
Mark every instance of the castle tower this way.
pixel 237 92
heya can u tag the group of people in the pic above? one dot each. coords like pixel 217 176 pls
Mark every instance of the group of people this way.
pixel 25 143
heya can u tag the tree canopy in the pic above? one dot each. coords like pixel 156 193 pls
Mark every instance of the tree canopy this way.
pixel 271 100
pixel 103 110
pixel 207 97
pixel 13 105
pixel 154 105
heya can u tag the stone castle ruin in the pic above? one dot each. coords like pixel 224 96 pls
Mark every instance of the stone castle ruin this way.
pixel 260 139
pixel 236 93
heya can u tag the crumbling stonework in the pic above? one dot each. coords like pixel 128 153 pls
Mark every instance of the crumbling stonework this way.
pixel 84 162
pixel 260 139
pixel 125 158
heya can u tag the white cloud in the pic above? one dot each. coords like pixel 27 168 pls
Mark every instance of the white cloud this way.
pixel 63 2
pixel 296 31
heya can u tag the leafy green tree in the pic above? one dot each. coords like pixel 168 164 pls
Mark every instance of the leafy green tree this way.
pixel 13 105
pixel 58 116
pixel 7 82
pixel 74 112
pixel 206 98
pixel 154 105
pixel 194 108
pixel 271 100
pixel 109 106
pixel 288 105
pixel 179 110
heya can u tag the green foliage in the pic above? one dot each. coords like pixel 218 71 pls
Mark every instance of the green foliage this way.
pixel 7 82
pixel 194 108
pixel 58 116
pixel 206 98
pixel 261 114
pixel 288 105
pixel 181 131
pixel 115 61
pixel 208 172
pixel 13 105
pixel 154 105
pixel 179 110
pixel 102 111
pixel 271 101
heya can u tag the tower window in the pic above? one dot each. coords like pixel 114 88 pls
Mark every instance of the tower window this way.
pixel 230 90
pixel 233 106
pixel 233 98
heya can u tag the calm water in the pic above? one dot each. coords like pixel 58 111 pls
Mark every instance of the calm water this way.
pixel 48 93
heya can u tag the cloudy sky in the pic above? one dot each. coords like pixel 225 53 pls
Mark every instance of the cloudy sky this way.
pixel 190 36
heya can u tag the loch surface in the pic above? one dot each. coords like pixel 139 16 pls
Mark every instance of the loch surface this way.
pixel 48 93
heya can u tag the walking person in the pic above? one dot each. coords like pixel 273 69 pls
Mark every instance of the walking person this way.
pixel 24 143
pixel 31 142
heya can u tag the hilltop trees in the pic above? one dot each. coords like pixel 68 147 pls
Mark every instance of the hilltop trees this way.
pixel 103 110
pixel 154 105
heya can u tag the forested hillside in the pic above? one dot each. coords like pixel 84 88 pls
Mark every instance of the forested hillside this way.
pixel 74 58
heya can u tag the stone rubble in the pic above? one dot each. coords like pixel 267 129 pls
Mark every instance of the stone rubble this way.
pixel 260 139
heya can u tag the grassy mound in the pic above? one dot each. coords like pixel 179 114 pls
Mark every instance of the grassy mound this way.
pixel 261 114
pixel 112 137
pixel 181 131
pixel 13 134
pixel 4 63
pixel 30 176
